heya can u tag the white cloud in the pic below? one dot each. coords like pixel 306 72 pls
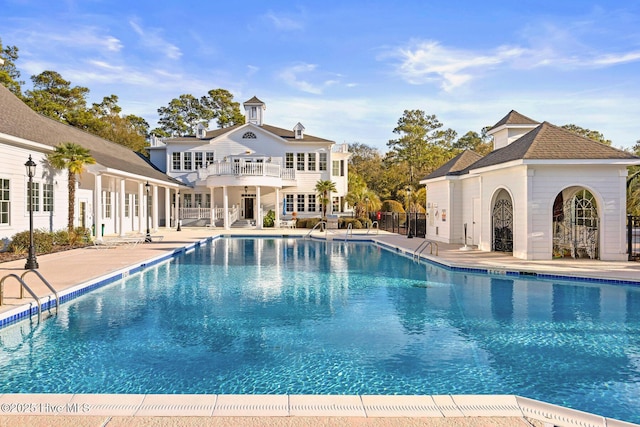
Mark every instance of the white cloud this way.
pixel 152 40
pixel 284 23
pixel 292 77
pixel 429 61
pixel 617 59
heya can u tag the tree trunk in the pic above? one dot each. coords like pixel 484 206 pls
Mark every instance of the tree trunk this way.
pixel 72 200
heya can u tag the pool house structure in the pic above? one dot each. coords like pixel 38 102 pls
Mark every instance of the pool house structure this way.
pixel 542 193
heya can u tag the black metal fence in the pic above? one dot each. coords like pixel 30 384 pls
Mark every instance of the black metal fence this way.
pixel 633 237
pixel 401 223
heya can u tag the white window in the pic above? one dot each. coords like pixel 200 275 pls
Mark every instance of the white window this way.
pixel 198 159
pixel 186 201
pixel 127 205
pixel 136 205
pixel 300 161
pixel 288 160
pixel 311 161
pixel 312 202
pixel 335 170
pixel 47 197
pixel 322 166
pixel 106 204
pixel 300 203
pixel 209 157
pixel 289 203
pixel 5 201
pixel 175 161
pixel 35 196
pixel 198 200
pixel 336 204
pixel 186 164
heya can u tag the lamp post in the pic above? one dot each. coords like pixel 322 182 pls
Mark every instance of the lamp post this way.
pixel 147 238
pixel 409 234
pixel 31 263
pixel 178 228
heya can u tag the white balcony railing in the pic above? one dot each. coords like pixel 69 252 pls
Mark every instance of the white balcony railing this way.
pixel 205 213
pixel 246 169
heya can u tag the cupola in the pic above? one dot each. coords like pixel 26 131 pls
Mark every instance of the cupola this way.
pixel 254 111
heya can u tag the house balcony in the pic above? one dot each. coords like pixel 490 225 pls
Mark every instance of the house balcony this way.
pixel 246 174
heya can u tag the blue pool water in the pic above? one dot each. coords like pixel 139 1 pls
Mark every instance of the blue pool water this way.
pixel 280 316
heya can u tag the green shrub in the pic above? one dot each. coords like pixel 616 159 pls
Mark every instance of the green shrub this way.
pixel 269 219
pixel 42 240
pixel 80 235
pixel 61 238
pixel 344 223
pixel 392 206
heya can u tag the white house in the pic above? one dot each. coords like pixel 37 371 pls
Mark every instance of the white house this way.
pixel 121 193
pixel 542 192
pixel 239 173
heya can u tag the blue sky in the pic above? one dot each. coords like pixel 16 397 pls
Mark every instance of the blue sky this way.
pixel 348 69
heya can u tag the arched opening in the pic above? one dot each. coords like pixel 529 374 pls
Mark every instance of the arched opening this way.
pixel 502 220
pixel 575 224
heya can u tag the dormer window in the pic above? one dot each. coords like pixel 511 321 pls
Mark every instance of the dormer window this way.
pixel 201 131
pixel 298 131
pixel 249 135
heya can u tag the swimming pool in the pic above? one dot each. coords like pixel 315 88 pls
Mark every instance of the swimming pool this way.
pixel 289 316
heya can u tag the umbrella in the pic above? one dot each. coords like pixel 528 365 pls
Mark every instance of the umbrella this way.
pixel 284 205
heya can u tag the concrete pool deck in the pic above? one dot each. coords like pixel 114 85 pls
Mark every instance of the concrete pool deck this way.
pixel 65 270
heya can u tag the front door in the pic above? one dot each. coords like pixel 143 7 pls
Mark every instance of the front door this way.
pixel 83 215
pixel 248 207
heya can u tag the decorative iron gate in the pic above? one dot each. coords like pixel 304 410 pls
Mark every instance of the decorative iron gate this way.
pixel 576 227
pixel 503 226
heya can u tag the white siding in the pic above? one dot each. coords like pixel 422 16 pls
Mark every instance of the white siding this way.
pixel 13 169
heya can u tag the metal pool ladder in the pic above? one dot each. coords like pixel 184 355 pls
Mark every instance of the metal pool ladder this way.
pixel 424 245
pixel 23 286
pixel 322 224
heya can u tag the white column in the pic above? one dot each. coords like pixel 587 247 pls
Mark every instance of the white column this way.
pixel 142 208
pixel 121 194
pixel 154 210
pixel 258 209
pixel 225 206
pixel 212 221
pixel 278 210
pixel 97 207
pixel 167 207
pixel 178 210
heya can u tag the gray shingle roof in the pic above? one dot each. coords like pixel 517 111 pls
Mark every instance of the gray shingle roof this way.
pixel 549 142
pixel 253 100
pixel 457 165
pixel 514 118
pixel 282 133
pixel 19 120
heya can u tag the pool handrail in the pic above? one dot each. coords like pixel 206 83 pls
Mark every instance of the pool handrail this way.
pixel 320 223
pixel 51 288
pixel 25 286
pixel 346 234
pixel 370 227
pixel 424 245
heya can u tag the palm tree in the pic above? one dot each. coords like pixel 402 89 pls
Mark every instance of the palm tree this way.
pixel 323 188
pixel 363 200
pixel 73 158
